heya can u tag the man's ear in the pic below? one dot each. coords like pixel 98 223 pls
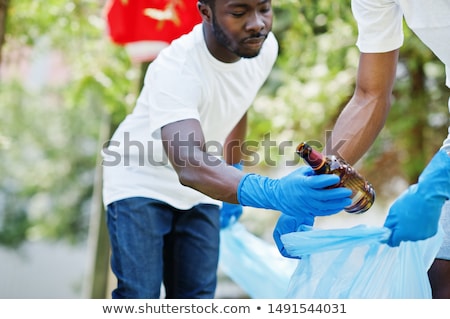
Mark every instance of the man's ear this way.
pixel 205 11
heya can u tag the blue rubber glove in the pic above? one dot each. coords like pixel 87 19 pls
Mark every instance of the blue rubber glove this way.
pixel 415 214
pixel 230 213
pixel 287 224
pixel 301 194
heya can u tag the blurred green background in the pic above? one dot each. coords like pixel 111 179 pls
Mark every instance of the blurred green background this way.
pixel 64 87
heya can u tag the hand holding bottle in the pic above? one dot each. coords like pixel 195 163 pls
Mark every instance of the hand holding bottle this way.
pixel 415 214
pixel 301 194
pixel 363 194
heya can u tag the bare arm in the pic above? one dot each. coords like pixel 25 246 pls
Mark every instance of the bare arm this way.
pixel 233 144
pixel 364 116
pixel 184 144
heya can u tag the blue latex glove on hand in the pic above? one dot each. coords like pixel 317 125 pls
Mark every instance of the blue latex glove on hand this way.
pixel 301 194
pixel 230 213
pixel 287 224
pixel 415 214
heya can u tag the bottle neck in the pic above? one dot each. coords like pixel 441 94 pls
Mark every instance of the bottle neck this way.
pixel 316 160
pixel 312 157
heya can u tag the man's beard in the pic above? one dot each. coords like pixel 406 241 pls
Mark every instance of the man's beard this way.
pixel 226 42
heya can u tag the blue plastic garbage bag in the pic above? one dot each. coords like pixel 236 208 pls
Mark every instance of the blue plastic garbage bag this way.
pixel 354 263
pixel 254 264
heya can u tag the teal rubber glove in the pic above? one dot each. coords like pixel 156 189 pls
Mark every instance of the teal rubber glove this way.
pixel 415 214
pixel 287 224
pixel 301 194
pixel 230 213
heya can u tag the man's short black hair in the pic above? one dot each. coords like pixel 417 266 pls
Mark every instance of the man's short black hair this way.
pixel 208 2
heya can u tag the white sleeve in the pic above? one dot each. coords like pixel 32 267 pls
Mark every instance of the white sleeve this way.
pixel 173 97
pixel 380 25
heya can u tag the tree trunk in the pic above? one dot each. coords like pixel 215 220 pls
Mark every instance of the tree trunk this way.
pixel 96 285
pixel 96 280
pixel 3 13
pixel 417 144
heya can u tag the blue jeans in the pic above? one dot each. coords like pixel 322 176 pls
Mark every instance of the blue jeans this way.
pixel 154 243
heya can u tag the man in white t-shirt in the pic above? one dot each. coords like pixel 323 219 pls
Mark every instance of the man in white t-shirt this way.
pixel 165 175
pixel 415 214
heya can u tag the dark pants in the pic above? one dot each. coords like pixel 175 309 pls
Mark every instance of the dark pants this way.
pixel 153 243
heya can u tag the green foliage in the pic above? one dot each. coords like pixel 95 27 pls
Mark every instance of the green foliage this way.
pixel 67 23
pixel 50 129
pixel 47 165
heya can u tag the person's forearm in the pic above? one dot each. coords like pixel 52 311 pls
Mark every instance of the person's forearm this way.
pixel 357 127
pixel 364 116
pixel 184 144
pixel 232 148
pixel 218 180
pixel 214 178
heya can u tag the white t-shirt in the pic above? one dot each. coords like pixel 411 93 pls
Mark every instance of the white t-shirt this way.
pixel 184 82
pixel 380 28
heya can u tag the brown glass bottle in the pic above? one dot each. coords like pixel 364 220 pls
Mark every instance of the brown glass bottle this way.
pixel 363 194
